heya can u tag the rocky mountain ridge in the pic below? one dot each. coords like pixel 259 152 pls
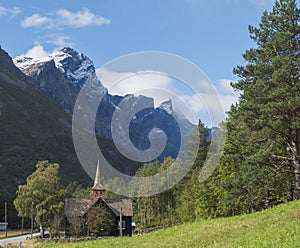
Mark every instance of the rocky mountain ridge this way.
pixel 62 74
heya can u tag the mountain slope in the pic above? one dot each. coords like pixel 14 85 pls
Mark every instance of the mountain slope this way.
pixel 276 227
pixel 33 128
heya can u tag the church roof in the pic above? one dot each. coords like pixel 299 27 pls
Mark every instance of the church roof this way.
pixel 76 207
pixel 117 204
pixel 79 207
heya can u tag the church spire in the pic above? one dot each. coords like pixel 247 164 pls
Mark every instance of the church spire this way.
pixel 98 189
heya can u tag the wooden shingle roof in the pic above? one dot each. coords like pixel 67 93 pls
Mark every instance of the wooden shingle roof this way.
pixel 117 204
pixel 77 207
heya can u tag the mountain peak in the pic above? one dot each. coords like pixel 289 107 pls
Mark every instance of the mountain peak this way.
pixel 68 50
pixel 76 66
pixel 167 106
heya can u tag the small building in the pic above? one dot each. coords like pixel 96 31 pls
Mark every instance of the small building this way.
pixel 119 209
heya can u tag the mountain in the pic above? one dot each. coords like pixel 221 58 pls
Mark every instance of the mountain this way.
pixel 36 104
pixel 32 124
pixel 62 75
pixel 33 128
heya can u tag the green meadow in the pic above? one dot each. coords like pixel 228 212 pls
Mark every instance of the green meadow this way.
pixel 276 227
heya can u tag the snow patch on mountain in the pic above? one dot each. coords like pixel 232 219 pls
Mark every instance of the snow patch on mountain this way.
pixel 77 67
pixel 167 106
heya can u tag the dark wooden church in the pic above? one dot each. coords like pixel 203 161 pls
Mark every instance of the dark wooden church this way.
pixel 120 210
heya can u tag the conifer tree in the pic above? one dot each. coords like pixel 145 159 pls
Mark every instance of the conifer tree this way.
pixel 269 107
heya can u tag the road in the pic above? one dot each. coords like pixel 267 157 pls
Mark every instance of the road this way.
pixel 17 239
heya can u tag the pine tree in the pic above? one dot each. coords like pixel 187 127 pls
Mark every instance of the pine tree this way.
pixel 269 107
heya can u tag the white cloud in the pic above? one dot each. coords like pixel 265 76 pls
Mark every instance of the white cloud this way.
pixel 148 83
pixel 36 20
pixel 227 94
pixel 37 51
pixel 195 103
pixel 141 81
pixel 225 87
pixel 228 100
pixel 81 18
pixel 9 11
pixel 208 103
pixel 62 18
pixel 108 78
pixel 205 106
pixel 122 83
pixel 212 106
pixel 205 86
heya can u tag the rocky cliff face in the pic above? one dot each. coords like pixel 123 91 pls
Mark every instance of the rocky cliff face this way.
pixel 62 74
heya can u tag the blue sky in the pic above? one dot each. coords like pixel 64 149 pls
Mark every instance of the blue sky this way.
pixel 211 34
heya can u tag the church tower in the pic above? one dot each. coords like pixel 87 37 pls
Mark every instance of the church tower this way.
pixel 98 189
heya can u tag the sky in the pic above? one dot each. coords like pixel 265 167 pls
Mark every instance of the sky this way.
pixel 213 35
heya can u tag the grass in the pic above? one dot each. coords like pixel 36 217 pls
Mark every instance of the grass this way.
pixel 25 244
pixel 276 227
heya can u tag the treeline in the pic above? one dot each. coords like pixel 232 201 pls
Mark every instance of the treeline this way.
pixel 260 166
pixel 179 203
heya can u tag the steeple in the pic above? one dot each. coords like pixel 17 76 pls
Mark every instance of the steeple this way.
pixel 98 189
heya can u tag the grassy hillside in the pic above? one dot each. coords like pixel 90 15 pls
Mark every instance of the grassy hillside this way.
pixel 277 227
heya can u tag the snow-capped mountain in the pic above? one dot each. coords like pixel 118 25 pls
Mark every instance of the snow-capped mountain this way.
pixel 167 106
pixel 62 74
pixel 77 67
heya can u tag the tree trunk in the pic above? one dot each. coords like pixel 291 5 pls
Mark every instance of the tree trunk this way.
pixel 296 163
pixel 297 177
pixel 290 191
pixel 42 231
